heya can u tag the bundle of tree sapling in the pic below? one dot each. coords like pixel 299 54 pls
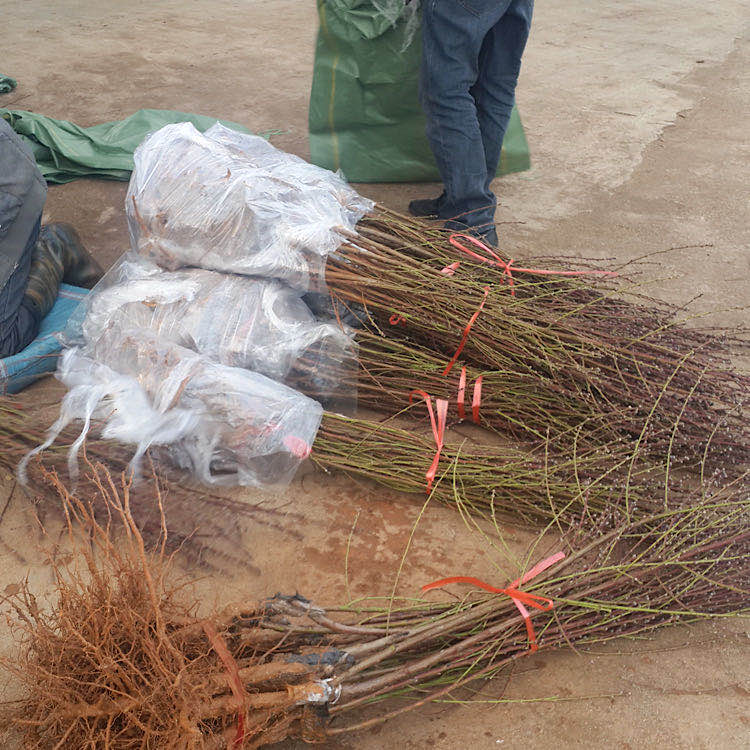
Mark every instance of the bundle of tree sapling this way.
pixel 123 658
pixel 555 352
pixel 521 486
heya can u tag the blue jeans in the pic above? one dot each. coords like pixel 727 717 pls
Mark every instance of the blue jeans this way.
pixel 471 59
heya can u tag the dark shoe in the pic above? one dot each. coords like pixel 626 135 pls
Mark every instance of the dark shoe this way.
pixel 489 237
pixel 425 207
pixel 43 285
pixel 486 234
pixel 63 242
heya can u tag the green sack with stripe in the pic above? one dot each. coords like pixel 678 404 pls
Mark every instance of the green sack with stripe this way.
pixel 365 117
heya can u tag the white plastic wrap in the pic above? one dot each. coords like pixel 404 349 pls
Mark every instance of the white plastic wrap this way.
pixel 234 203
pixel 296 172
pixel 176 347
pixel 225 425
pixel 257 324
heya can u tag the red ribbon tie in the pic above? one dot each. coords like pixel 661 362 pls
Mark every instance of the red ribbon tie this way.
pixel 476 398
pixel 451 268
pixel 438 430
pixel 496 260
pixel 466 332
pixel 520 598
pixel 234 680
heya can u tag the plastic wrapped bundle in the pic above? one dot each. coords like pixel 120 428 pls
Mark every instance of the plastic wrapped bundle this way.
pixel 259 153
pixel 223 424
pixel 197 201
pixel 257 324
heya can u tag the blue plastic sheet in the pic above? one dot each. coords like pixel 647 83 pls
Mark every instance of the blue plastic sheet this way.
pixel 40 356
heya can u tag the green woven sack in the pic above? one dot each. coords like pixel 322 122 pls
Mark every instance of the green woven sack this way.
pixel 365 117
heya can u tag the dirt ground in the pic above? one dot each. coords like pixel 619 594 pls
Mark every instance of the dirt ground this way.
pixel 636 114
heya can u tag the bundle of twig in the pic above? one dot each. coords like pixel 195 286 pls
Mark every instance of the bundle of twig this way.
pixel 555 352
pixel 122 659
pixel 205 525
pixel 518 485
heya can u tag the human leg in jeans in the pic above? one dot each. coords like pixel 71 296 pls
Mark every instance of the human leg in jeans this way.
pixel 470 63
pixel 53 254
pixel 495 89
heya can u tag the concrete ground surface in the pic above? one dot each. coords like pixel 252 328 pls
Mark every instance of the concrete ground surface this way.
pixel 636 113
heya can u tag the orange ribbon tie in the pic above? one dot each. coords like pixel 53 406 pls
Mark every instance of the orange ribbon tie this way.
pixel 438 430
pixel 520 598
pixel 496 260
pixel 234 680
pixel 466 332
pixel 476 398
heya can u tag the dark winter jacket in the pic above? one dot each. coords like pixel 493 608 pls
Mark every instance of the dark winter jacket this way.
pixel 22 195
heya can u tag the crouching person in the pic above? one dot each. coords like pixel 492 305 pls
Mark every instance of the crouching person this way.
pixel 34 259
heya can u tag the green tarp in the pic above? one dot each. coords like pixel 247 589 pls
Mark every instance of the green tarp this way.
pixel 65 151
pixel 365 117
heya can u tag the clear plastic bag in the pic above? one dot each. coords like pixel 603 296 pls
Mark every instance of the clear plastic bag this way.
pixel 298 173
pixel 177 345
pixel 257 324
pixel 227 202
pixel 224 425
